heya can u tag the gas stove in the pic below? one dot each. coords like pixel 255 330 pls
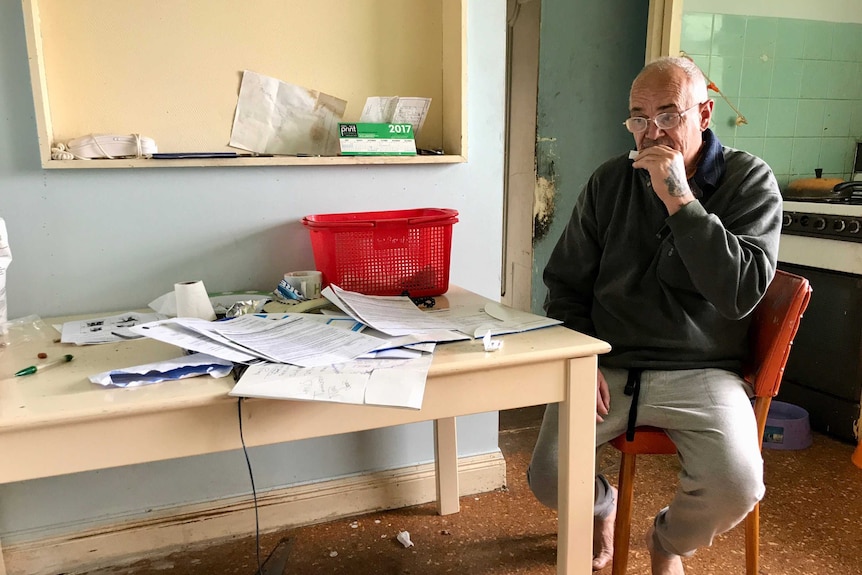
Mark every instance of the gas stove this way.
pixel 809 231
pixel 822 241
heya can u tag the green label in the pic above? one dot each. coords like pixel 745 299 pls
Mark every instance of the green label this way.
pixel 373 139
pixel 376 131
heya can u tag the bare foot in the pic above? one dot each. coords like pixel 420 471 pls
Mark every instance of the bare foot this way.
pixel 662 563
pixel 603 537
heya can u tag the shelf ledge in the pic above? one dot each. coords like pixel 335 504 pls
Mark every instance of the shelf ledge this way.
pixel 235 162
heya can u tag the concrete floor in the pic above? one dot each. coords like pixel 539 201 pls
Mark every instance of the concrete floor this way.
pixel 811 523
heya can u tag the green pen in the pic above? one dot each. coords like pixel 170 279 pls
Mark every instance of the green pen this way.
pixel 34 368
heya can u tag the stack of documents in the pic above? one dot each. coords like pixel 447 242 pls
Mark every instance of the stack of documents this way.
pixel 299 339
pixel 378 353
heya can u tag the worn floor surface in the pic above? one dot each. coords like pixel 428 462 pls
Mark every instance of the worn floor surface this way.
pixel 811 523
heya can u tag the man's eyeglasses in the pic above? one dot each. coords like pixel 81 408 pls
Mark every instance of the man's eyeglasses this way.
pixel 664 121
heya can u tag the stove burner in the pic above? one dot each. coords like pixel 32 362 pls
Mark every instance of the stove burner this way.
pixel 827 226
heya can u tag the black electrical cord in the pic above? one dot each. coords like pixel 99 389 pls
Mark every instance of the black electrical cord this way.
pixel 253 490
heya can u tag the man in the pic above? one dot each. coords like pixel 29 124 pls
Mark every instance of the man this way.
pixel 664 258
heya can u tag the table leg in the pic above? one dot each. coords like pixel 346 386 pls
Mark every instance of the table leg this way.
pixel 2 563
pixel 446 465
pixel 577 439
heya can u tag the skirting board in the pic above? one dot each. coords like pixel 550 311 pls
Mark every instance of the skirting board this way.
pixel 196 525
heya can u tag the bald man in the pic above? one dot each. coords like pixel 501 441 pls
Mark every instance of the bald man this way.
pixel 665 256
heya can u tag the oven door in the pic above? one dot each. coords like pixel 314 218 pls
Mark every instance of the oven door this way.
pixel 824 371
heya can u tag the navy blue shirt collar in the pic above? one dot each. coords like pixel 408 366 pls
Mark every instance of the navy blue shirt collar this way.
pixel 710 167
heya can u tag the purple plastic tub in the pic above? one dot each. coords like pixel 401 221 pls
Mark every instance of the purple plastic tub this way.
pixel 787 427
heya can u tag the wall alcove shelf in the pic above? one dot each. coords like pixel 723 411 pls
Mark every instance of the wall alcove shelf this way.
pixel 171 70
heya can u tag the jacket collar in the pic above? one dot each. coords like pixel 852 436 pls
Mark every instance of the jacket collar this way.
pixel 710 167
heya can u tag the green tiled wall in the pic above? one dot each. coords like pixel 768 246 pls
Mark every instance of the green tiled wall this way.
pixel 797 82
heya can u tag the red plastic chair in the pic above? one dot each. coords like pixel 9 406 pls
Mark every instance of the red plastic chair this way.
pixel 776 320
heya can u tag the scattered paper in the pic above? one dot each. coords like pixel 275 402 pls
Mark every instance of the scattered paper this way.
pixel 392 315
pixel 274 117
pixel 169 331
pixel 403 537
pixel 296 340
pixel 172 369
pixel 391 382
pixel 108 329
pixel 494 317
pixel 491 344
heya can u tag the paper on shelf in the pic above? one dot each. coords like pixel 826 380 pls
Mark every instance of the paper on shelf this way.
pixel 396 110
pixel 274 117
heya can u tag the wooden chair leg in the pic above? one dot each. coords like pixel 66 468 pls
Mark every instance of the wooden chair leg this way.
pixel 623 526
pixel 752 541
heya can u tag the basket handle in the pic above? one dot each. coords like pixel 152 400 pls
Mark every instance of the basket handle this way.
pixel 422 219
pixel 449 218
pixel 312 224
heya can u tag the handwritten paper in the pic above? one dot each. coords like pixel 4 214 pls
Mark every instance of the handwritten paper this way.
pixel 396 110
pixel 391 382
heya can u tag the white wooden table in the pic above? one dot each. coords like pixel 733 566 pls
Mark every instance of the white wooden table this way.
pixel 57 422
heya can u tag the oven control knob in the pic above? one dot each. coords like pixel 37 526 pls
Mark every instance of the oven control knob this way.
pixel 853 226
pixel 819 224
pixel 803 221
pixel 786 220
pixel 839 225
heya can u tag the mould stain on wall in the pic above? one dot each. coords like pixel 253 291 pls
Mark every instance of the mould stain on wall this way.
pixel 545 191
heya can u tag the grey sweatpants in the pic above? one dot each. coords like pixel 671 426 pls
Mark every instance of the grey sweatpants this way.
pixel 708 414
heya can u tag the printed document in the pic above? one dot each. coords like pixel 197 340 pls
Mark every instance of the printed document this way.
pixel 296 339
pixel 392 315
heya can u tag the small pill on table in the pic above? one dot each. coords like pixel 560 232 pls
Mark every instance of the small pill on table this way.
pixel 42 355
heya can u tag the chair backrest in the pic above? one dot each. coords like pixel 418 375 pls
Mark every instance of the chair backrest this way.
pixel 773 327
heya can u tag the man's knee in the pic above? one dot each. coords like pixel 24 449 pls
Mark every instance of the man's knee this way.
pixel 543 484
pixel 737 487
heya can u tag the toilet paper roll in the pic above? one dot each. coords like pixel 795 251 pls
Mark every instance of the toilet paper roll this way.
pixel 193 301
pixel 307 282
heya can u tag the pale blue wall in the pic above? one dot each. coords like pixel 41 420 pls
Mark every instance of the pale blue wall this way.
pixel 590 53
pixel 96 240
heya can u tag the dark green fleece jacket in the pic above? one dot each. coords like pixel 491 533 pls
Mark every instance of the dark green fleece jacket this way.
pixel 669 292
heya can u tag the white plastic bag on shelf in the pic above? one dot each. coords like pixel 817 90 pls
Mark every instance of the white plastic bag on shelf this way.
pixel 5 260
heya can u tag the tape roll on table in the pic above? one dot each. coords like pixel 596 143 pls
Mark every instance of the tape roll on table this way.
pixel 306 282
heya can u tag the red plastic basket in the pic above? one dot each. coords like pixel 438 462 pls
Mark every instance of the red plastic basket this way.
pixel 400 252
